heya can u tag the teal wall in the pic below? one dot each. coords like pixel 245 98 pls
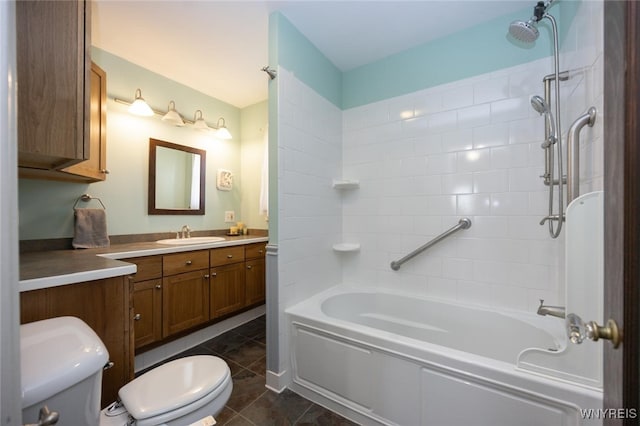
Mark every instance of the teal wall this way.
pixel 45 207
pixel 477 50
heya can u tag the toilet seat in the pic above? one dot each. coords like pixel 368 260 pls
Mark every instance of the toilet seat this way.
pixel 175 388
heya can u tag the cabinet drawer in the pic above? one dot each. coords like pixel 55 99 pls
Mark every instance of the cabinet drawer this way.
pixel 255 251
pixel 227 255
pixel 149 267
pixel 184 262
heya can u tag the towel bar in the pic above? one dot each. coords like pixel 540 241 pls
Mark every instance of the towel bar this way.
pixel 86 198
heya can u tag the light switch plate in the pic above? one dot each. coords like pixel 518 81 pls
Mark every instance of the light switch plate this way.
pixel 229 216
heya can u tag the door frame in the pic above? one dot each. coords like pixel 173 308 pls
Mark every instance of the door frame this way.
pixel 622 204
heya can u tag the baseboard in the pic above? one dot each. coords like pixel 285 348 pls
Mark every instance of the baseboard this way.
pixel 277 382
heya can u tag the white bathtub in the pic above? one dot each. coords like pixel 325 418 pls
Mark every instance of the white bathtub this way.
pixel 385 358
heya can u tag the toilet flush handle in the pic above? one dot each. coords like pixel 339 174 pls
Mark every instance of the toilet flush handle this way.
pixel 46 417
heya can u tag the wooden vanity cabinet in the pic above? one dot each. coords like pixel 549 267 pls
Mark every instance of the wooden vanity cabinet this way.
pixel 185 291
pixel 105 305
pixel 227 282
pixel 147 300
pixel 255 279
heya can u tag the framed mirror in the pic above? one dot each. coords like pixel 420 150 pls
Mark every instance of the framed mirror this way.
pixel 176 179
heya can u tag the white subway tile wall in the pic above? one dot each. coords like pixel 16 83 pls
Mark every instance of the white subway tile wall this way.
pixel 467 148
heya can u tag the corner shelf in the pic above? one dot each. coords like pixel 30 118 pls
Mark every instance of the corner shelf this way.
pixel 346 247
pixel 346 184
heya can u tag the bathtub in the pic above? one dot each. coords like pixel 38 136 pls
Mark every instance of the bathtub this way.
pixel 379 357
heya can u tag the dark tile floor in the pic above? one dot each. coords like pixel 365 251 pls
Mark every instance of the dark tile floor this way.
pixel 251 403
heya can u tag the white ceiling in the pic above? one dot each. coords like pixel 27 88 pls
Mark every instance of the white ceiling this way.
pixel 218 47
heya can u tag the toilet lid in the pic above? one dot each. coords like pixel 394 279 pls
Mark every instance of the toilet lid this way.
pixel 173 385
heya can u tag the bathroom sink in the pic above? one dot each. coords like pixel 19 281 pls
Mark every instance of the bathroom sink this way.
pixel 192 240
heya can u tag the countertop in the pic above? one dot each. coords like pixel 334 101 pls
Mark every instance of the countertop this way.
pixel 61 267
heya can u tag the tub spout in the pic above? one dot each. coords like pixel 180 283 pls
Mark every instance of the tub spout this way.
pixel 555 311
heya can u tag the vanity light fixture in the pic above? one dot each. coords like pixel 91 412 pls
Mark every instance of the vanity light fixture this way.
pixel 199 123
pixel 139 106
pixel 222 132
pixel 172 116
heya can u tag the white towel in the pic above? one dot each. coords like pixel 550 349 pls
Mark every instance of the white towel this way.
pixel 90 228
pixel 264 180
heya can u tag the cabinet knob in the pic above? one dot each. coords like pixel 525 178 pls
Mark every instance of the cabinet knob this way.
pixel 137 317
pixel 206 276
pixel 214 274
pixel 229 256
pixel 105 171
pixel 260 251
pixel 249 266
pixel 158 286
pixel 188 262
pixel 108 365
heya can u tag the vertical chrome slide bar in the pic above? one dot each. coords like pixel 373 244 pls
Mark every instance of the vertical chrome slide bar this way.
pixel 464 223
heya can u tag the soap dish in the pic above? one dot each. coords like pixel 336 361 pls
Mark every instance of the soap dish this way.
pixel 346 247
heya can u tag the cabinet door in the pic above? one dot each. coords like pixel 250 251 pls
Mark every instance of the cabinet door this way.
pixel 53 82
pixel 185 301
pixel 95 168
pixel 255 281
pixel 147 312
pixel 227 289
pixel 104 306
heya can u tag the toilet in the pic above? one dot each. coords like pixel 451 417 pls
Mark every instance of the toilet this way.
pixel 62 360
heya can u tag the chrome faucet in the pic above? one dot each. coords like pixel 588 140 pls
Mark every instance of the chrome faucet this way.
pixel 187 230
pixel 555 311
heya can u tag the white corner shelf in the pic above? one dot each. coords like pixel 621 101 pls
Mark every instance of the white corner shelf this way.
pixel 346 184
pixel 346 247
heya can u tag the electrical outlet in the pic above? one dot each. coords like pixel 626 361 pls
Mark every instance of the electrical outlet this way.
pixel 229 216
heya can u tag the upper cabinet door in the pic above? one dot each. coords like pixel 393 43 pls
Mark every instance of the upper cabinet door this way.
pixel 53 42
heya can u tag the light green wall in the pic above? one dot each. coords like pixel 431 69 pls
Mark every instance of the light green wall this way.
pixel 298 55
pixel 45 207
pixel 476 50
pixel 253 128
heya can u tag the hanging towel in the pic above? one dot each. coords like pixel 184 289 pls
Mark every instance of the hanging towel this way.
pixel 264 178
pixel 90 228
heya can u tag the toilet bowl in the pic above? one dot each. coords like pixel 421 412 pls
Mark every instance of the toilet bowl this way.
pixel 62 362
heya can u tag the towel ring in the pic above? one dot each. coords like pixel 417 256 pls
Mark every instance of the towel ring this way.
pixel 86 198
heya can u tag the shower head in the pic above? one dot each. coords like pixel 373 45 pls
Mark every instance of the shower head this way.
pixel 542 108
pixel 539 105
pixel 524 31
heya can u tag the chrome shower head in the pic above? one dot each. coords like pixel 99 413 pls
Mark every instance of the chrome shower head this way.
pixel 542 108
pixel 539 105
pixel 524 31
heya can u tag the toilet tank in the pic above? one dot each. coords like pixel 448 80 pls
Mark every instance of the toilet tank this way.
pixel 61 367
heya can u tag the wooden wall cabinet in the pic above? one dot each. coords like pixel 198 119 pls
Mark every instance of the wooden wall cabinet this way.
pixel 62 95
pixel 94 169
pixel 105 305
pixel 53 68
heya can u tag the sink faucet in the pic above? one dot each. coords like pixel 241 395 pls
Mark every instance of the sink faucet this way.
pixel 555 311
pixel 187 230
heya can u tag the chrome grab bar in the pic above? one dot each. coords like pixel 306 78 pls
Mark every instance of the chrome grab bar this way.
pixel 464 223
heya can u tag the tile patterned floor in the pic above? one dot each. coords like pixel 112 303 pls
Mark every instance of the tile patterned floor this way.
pixel 251 404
